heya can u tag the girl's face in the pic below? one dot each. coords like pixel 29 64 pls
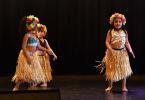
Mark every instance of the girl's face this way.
pixel 117 23
pixel 40 34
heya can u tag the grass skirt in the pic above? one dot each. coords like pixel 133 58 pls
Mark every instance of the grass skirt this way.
pixel 26 72
pixel 45 64
pixel 117 65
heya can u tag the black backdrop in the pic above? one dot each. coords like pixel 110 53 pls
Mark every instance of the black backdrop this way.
pixel 76 31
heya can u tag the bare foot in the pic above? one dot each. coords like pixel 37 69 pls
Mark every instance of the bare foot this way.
pixel 124 90
pixel 44 85
pixel 108 89
pixel 15 89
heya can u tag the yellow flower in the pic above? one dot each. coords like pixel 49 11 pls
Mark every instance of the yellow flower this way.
pixel 36 19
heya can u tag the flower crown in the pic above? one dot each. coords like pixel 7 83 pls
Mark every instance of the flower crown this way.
pixel 31 18
pixel 42 28
pixel 117 15
pixel 31 22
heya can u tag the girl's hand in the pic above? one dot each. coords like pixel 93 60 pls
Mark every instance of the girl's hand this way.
pixel 54 57
pixel 49 52
pixel 133 55
pixel 29 60
pixel 111 51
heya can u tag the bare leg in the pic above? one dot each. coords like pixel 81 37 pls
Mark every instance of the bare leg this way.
pixel 124 85
pixel 109 88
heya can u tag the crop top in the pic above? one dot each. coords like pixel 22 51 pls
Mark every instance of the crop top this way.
pixel 32 42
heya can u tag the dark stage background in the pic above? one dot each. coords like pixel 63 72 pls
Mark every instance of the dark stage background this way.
pixel 76 31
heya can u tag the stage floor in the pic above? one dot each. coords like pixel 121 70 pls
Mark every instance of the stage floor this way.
pixel 87 87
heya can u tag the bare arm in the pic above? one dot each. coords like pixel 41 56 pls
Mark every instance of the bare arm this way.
pixel 50 50
pixel 128 46
pixel 41 48
pixel 108 39
pixel 24 45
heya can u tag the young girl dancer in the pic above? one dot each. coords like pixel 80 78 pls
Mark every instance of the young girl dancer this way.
pixel 28 68
pixel 43 56
pixel 116 58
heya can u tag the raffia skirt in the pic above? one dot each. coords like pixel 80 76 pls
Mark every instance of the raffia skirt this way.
pixel 117 65
pixel 45 64
pixel 26 72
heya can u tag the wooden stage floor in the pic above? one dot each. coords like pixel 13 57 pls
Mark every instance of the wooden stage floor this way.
pixel 86 87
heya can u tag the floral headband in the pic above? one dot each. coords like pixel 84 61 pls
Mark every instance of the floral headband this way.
pixel 42 28
pixel 31 22
pixel 31 18
pixel 117 15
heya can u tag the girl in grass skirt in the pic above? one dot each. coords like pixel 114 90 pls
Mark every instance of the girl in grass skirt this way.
pixel 43 56
pixel 116 58
pixel 28 68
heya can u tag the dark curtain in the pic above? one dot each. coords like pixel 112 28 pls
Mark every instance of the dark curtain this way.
pixel 76 31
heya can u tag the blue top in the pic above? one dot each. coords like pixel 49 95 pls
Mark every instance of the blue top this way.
pixel 32 41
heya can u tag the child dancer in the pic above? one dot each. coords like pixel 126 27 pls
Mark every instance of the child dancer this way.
pixel 43 56
pixel 28 68
pixel 116 58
